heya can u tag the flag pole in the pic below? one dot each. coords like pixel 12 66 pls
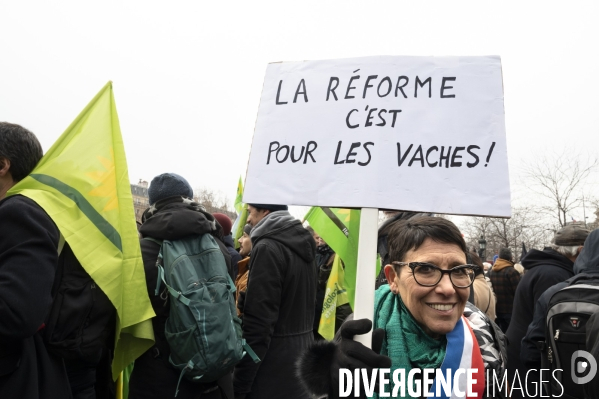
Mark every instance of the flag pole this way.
pixel 365 275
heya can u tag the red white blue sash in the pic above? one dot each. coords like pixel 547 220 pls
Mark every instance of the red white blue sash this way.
pixel 462 354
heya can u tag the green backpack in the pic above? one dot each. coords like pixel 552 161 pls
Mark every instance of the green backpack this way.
pixel 203 330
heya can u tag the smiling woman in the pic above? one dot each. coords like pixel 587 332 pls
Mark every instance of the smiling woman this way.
pixel 437 307
pixel 421 319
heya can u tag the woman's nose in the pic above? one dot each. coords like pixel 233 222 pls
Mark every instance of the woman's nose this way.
pixel 445 287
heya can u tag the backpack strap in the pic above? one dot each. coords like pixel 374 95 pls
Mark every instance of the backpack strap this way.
pixel 471 296
pixel 57 275
pixel 61 242
pixel 188 366
pixel 60 266
pixel 577 279
pixel 159 242
pixel 489 304
pixel 250 351
pixel 158 263
pixel 176 294
pixel 231 284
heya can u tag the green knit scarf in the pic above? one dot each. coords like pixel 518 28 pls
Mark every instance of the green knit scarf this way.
pixel 405 342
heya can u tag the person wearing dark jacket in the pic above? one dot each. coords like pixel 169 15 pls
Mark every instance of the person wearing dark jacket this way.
pixel 325 267
pixel 324 262
pixel 544 269
pixel 504 279
pixel 278 310
pixel 28 259
pixel 172 216
pixel 588 263
pixel 227 239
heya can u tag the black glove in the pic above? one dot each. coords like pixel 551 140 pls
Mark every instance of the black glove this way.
pixel 241 301
pixel 352 355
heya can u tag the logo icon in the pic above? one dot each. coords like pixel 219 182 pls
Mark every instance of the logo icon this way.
pixel 574 321
pixel 581 362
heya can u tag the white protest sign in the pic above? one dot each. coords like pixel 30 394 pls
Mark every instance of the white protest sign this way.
pixel 412 133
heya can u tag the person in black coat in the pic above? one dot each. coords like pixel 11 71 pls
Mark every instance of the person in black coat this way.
pixel 227 239
pixel 172 216
pixel 588 263
pixel 544 269
pixel 28 259
pixel 324 262
pixel 278 311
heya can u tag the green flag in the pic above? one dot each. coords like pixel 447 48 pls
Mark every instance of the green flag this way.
pixel 240 223
pixel 242 214
pixel 82 183
pixel 238 198
pixel 334 296
pixel 340 229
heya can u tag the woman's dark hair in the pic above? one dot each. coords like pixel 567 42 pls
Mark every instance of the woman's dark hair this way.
pixel 410 234
pixel 21 148
pixel 473 259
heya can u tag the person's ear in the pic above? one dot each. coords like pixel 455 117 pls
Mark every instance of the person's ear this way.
pixel 390 275
pixel 4 166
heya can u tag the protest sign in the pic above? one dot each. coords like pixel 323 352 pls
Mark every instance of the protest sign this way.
pixel 413 133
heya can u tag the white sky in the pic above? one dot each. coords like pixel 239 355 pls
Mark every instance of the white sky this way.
pixel 188 75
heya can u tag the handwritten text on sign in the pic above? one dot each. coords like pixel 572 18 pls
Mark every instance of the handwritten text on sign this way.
pixel 412 133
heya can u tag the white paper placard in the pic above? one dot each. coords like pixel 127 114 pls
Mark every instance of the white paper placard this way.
pixel 412 133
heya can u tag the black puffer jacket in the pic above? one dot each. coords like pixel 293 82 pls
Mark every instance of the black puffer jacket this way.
pixel 586 266
pixel 235 257
pixel 153 376
pixel 279 307
pixel 28 259
pixel 324 263
pixel 543 269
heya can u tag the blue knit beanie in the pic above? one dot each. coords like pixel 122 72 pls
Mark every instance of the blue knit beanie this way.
pixel 168 185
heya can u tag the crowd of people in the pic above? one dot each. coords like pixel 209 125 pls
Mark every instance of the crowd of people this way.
pixel 433 294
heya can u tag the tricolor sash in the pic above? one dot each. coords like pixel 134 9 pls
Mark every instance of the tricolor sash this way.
pixel 462 354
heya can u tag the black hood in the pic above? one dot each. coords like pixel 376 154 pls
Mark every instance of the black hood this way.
pixel 547 256
pixel 282 227
pixel 588 260
pixel 174 221
pixel 228 240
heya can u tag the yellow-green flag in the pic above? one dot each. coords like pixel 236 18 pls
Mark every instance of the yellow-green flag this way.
pixel 242 214
pixel 83 185
pixel 240 223
pixel 340 229
pixel 335 295
pixel 238 197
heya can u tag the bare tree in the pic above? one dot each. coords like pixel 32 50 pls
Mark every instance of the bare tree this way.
pixel 213 201
pixel 559 179
pixel 593 204
pixel 524 227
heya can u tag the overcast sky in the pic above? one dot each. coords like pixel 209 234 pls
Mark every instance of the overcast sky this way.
pixel 188 75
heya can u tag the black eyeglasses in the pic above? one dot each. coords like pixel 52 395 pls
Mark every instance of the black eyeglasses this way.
pixel 429 275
